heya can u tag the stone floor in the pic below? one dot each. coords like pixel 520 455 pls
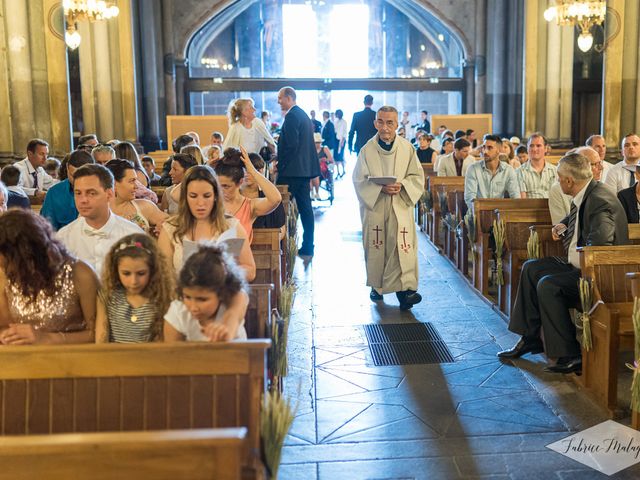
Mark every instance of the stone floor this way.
pixel 474 418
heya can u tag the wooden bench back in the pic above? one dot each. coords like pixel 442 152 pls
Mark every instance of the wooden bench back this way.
pixel 261 301
pixel 634 233
pixel 427 168
pixel 268 269
pixel 201 454
pixel 112 387
pixel 517 223
pixel 266 239
pixel 608 267
pixel 485 208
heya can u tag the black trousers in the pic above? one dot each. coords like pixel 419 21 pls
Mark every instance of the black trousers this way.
pixel 299 189
pixel 548 289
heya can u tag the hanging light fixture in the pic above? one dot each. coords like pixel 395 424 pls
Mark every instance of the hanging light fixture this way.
pixel 585 15
pixel 84 10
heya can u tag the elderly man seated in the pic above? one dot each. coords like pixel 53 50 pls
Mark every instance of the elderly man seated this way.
pixel 549 286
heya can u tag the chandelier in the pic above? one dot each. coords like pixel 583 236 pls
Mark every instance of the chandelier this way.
pixel 585 15
pixel 81 10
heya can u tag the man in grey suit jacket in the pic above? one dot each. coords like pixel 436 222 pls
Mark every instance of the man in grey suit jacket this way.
pixel 549 286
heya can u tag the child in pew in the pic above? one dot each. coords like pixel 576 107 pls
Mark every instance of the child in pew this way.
pixel 208 281
pixel 137 289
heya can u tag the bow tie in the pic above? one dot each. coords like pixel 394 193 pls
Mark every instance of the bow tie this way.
pixel 94 233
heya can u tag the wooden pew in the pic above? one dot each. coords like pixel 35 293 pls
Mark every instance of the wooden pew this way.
pixel 440 185
pixel 462 240
pixel 634 233
pixel 155 386
pixel 517 231
pixel 268 269
pixel 268 239
pixel 485 209
pixel 201 454
pixel 634 282
pixel 428 172
pixel 256 321
pixel 611 325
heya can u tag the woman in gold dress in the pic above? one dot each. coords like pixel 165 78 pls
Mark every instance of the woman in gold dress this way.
pixel 47 296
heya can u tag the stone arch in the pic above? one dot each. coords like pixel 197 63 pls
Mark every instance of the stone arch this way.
pixel 422 12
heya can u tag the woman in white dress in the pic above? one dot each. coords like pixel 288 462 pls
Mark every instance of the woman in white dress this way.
pixel 245 130
pixel 201 218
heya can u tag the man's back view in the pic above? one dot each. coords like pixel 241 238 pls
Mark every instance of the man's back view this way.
pixel 362 126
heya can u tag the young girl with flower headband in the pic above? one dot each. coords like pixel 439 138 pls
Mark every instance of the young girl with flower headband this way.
pixel 209 280
pixel 137 289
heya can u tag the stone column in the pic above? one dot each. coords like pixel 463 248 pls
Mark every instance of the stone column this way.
pixel 103 87
pixel 58 84
pixel 127 72
pixel 20 76
pixel 150 134
pixel 6 134
pixel 612 77
pixel 629 116
pixel 169 57
pixel 480 60
pixel 532 16
pixel 39 86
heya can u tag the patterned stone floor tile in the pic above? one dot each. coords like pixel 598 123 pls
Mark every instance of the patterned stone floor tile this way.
pixel 330 386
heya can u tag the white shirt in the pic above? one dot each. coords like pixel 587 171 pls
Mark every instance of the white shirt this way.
pixel 574 258
pixel 341 128
pixel 45 181
pixel 618 177
pixel 92 245
pixel 559 203
pixel 179 317
pixel 252 139
pixel 17 189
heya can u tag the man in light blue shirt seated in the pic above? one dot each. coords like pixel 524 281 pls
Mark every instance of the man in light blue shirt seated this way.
pixel 490 178
pixel 59 205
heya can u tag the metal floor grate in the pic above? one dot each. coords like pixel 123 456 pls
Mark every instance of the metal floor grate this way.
pixel 406 344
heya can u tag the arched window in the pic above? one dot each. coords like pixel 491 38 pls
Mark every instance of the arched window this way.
pixel 394 47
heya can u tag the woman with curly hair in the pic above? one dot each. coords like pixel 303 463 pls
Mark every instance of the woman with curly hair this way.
pixel 47 296
pixel 137 289
pixel 245 130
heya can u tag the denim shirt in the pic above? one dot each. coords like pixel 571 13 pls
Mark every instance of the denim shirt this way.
pixel 481 183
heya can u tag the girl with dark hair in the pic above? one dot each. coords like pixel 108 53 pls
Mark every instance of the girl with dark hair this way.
pixel 137 288
pixel 142 212
pixel 47 296
pixel 201 218
pixel 231 173
pixel 208 282
pixel 180 163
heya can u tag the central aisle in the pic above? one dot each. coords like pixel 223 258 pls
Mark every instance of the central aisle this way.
pixel 469 419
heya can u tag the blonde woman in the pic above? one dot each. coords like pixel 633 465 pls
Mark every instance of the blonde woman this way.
pixel 245 130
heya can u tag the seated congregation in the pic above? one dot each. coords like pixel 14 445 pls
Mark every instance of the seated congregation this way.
pixel 548 244
pixel 104 253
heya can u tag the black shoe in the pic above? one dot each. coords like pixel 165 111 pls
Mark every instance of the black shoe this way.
pixel 566 365
pixel 408 299
pixel 523 347
pixel 375 296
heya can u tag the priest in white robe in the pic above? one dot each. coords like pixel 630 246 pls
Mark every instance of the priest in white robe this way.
pixel 387 211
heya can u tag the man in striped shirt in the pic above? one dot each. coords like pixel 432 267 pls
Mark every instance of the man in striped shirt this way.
pixel 537 176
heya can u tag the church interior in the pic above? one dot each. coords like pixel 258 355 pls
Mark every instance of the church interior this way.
pixel 325 374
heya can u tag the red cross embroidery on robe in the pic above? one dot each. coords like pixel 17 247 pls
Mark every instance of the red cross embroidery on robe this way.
pixel 404 246
pixel 377 243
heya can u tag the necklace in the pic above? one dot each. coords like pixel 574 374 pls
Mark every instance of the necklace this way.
pixel 133 317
